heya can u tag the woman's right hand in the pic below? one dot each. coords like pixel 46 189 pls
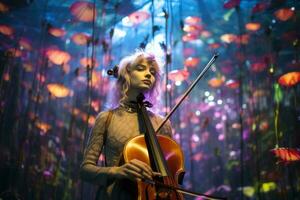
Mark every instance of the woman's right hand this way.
pixel 135 170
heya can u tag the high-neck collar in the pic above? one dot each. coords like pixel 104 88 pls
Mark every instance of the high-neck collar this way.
pixel 129 107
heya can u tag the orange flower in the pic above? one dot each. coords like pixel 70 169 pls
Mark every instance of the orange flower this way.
pixel 83 11
pixel 289 79
pixel 228 38
pixel 58 90
pixel 253 26
pixel 191 62
pixel 6 30
pixel 57 32
pixel 287 154
pixel 216 82
pixel 284 14
pixel 80 38
pixel 58 57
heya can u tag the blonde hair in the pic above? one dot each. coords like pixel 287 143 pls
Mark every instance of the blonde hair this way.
pixel 126 65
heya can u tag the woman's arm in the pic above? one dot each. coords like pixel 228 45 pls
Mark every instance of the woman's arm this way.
pixel 89 170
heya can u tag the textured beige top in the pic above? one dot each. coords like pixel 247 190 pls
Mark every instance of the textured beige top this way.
pixel 123 126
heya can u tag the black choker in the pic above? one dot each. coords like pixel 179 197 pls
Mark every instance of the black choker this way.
pixel 129 107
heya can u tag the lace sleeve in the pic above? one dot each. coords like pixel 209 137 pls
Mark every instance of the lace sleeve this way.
pixel 89 170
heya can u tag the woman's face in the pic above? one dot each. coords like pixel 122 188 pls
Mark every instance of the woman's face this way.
pixel 142 76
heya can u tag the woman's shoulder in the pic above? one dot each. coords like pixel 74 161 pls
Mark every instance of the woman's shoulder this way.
pixel 101 116
pixel 159 118
pixel 155 115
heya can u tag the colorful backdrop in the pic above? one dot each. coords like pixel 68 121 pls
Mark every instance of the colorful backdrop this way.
pixel 239 128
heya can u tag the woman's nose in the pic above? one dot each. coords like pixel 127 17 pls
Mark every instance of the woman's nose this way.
pixel 148 74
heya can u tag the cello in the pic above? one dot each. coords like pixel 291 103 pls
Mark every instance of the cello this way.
pixel 148 148
pixel 162 153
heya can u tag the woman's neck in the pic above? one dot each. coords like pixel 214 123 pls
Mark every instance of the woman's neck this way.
pixel 132 94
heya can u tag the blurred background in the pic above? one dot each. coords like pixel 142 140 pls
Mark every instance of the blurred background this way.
pixel 239 128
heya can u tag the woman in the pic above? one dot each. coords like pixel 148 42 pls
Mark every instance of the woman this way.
pixel 138 73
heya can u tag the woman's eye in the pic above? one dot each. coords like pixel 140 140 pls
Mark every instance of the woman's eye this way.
pixel 153 72
pixel 140 67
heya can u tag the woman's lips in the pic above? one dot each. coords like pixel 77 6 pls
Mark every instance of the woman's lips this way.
pixel 147 82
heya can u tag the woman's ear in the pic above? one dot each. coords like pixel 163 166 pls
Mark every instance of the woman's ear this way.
pixel 128 68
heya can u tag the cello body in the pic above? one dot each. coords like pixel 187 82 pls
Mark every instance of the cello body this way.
pixel 136 149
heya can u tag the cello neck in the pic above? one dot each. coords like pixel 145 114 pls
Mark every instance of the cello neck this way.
pixel 157 160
